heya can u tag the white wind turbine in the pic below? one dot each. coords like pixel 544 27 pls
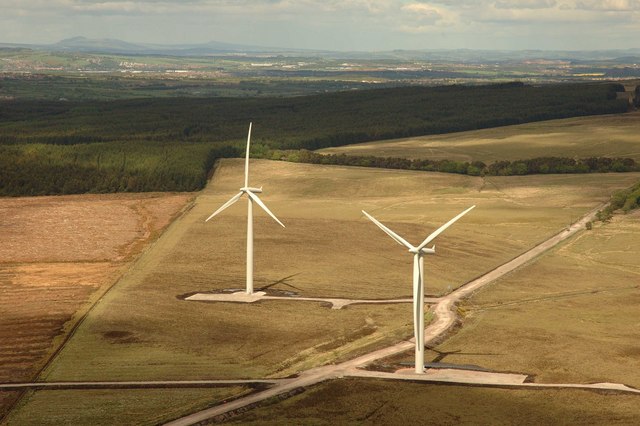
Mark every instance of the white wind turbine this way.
pixel 418 280
pixel 251 197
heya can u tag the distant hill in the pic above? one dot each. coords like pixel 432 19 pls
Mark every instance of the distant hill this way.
pixel 115 46
pixel 107 45
pixel 87 45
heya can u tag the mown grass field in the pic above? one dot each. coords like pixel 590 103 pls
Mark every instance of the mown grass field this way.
pixel 376 402
pixel 115 406
pixel 570 317
pixel 602 136
pixel 143 330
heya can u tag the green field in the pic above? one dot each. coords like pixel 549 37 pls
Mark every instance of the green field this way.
pixel 604 136
pixel 114 406
pixel 375 402
pixel 567 317
pixel 570 317
pixel 142 330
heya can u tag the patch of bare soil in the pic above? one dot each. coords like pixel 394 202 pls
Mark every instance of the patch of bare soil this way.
pixel 81 227
pixel 58 256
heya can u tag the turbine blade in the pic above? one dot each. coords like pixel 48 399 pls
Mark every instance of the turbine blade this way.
pixel 389 232
pixel 225 205
pixel 246 161
pixel 439 231
pixel 255 198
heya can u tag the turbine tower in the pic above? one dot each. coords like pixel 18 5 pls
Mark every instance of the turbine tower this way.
pixel 251 198
pixel 418 280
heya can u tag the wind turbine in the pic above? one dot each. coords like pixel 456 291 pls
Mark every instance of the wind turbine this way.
pixel 418 279
pixel 251 198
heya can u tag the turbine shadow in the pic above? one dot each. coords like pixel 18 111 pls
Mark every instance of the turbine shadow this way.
pixel 443 354
pixel 281 281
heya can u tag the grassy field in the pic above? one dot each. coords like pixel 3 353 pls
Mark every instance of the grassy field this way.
pixel 606 136
pixel 371 402
pixel 143 330
pixel 572 316
pixel 569 317
pixel 58 255
pixel 111 407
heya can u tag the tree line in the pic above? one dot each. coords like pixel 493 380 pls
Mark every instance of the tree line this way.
pixel 539 165
pixel 624 200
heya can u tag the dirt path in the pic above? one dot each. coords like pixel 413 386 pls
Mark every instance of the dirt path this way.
pixel 445 318
pixel 136 384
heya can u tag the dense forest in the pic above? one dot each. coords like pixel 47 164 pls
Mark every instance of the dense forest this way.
pixel 162 144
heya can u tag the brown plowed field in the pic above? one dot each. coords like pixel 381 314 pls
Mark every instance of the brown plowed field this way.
pixel 57 256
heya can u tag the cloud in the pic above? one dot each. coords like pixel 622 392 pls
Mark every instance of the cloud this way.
pixel 423 12
pixel 118 7
pixel 365 8
pixel 341 24
pixel 609 5
pixel 525 4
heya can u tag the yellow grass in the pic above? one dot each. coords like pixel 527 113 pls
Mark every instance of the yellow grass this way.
pixel 599 136
pixel 570 317
pixel 115 406
pixel 143 330
pixel 378 402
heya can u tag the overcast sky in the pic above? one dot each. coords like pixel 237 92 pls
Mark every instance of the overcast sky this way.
pixel 333 24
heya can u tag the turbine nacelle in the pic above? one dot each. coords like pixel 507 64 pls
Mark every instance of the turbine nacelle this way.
pixel 424 250
pixel 246 189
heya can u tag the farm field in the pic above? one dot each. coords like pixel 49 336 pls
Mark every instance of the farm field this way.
pixel 143 330
pixel 119 406
pixel 327 249
pixel 58 255
pixel 371 402
pixel 605 136
pixel 570 317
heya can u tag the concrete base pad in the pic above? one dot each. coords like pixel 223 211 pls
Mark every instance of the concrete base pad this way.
pixel 464 376
pixel 239 296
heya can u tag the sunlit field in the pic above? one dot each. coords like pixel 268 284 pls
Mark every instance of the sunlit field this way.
pixel 143 329
pixel 601 136
pixel 375 402
pixel 570 317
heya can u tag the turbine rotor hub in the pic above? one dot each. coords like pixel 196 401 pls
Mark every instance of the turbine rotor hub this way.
pixel 250 189
pixel 424 250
